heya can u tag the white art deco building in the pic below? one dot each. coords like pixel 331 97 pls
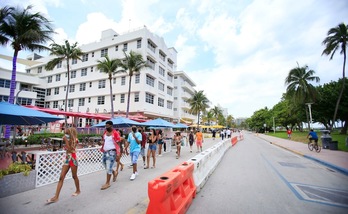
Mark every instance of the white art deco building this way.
pixel 158 91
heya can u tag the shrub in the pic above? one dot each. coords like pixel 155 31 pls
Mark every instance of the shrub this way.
pixel 14 168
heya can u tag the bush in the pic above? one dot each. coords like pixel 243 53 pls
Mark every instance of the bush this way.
pixel 14 168
pixel 36 138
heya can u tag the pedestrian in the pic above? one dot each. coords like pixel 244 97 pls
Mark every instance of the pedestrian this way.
pixel 71 141
pixel 222 135
pixel 214 134
pixel 151 152
pixel 289 132
pixel 191 140
pixel 177 140
pixel 134 142
pixel 313 136
pixel 159 141
pixel 228 132
pixel 199 140
pixel 111 150
pixel 118 157
pixel 143 144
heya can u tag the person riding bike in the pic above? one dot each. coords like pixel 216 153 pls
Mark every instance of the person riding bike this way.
pixel 313 136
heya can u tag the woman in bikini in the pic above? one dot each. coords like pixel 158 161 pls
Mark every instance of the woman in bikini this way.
pixel 152 149
pixel 177 140
pixel 70 139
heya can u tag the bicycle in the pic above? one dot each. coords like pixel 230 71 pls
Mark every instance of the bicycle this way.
pixel 314 145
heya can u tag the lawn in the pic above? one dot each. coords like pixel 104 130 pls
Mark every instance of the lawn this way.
pixel 302 137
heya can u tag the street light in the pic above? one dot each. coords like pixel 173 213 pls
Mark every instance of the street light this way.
pixel 310 114
pixel 16 97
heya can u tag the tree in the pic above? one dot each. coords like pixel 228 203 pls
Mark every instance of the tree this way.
pixel 198 103
pixel 337 38
pixel 109 66
pixel 208 116
pixel 298 87
pixel 216 112
pixel 133 63
pixel 24 31
pixel 65 52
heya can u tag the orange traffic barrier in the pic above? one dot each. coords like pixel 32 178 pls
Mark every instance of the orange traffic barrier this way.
pixel 234 140
pixel 173 191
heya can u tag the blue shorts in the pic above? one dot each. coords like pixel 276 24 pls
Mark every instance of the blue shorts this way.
pixel 160 141
pixel 153 146
pixel 134 157
pixel 109 159
pixel 142 152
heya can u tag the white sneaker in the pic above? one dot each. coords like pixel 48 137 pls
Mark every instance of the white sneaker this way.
pixel 133 176
pixel 136 174
pixel 160 155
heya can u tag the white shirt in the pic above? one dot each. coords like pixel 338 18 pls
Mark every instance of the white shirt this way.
pixel 108 143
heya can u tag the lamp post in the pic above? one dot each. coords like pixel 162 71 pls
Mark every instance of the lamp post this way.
pixel 16 97
pixel 310 114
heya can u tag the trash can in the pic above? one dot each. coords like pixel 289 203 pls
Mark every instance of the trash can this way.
pixel 326 139
pixel 333 145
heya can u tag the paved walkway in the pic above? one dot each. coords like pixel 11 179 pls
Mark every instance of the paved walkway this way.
pixel 335 159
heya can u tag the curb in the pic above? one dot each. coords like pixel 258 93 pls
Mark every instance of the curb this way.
pixel 332 166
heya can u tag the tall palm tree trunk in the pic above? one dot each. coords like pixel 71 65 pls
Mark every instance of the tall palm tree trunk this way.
pixel 111 100
pixel 67 93
pixel 342 90
pixel 198 120
pixel 12 90
pixel 128 98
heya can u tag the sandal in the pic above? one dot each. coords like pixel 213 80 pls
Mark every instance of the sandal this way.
pixel 104 187
pixel 146 167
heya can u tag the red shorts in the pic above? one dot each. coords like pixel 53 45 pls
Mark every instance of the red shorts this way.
pixel 199 142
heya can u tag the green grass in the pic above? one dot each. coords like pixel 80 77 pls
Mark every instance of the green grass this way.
pixel 302 137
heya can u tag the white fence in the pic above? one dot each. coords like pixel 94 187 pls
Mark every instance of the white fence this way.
pixel 48 165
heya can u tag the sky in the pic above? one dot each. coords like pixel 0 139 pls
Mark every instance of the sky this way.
pixel 238 52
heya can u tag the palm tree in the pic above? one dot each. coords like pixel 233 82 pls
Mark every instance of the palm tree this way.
pixel 216 112
pixel 337 38
pixel 198 103
pixel 24 31
pixel 133 63
pixel 208 116
pixel 298 87
pixel 64 52
pixel 109 66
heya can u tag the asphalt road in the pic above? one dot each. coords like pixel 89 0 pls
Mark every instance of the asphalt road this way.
pixel 257 177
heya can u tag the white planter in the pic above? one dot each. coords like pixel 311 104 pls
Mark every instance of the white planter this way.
pixel 16 183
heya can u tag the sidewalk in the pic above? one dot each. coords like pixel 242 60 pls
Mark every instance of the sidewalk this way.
pixel 337 160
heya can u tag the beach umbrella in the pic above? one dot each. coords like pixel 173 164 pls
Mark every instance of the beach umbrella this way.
pixel 180 126
pixel 158 123
pixel 120 122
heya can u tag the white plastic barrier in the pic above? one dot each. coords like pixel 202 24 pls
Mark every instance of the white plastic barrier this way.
pixel 206 162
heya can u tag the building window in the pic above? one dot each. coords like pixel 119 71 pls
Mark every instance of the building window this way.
pixel 73 61
pixel 170 77
pixel 59 64
pixel 139 43
pixel 113 97
pixel 83 87
pixel 151 45
pixel 89 100
pixel 73 74
pixel 39 70
pixel 83 72
pixel 71 103
pixel 136 97
pixel 137 78
pixel 55 104
pixel 90 84
pixel 56 91
pixel 114 80
pixel 92 54
pixel 162 56
pixel 71 88
pixel 101 100
pixel 150 80
pixel 160 102
pixel 65 88
pixel 104 52
pixel 125 47
pixel 161 86
pixel 5 83
pixel 81 101
pixel 169 91
pixel 116 48
pixel 123 80
pixel 48 92
pixel 92 69
pixel 101 84
pixel 161 71
pixel 49 79
pixel 170 63
pixel 151 63
pixel 57 77
pixel 85 58
pixel 169 105
pixel 122 99
pixel 149 98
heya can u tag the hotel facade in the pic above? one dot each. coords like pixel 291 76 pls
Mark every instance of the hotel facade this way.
pixel 157 91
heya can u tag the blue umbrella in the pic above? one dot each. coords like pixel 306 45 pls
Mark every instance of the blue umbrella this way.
pixel 11 114
pixel 158 123
pixel 180 126
pixel 120 122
